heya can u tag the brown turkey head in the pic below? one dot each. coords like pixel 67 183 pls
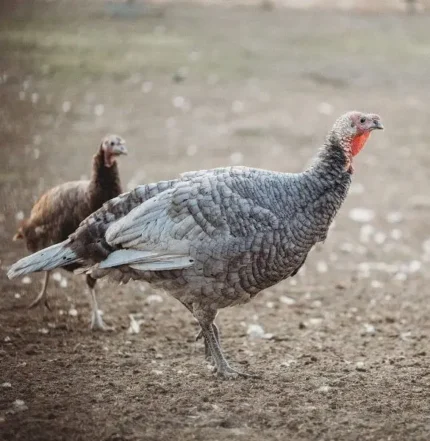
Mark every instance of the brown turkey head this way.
pixel 112 146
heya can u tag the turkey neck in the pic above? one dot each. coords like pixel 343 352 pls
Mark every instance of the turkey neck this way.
pixel 331 161
pixel 325 185
pixel 105 183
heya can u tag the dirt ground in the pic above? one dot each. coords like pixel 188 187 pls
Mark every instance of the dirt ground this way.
pixel 345 351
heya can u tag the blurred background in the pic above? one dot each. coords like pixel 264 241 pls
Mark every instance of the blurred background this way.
pixel 344 345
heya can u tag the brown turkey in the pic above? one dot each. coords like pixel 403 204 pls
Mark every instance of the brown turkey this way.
pixel 60 210
pixel 216 238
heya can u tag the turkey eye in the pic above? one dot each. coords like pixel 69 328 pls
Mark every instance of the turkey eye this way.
pixel 363 120
pixel 112 143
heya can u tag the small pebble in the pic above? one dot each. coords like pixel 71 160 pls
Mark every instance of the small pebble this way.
pixel 400 277
pixel 347 247
pixel 288 363
pixel 19 405
pixel 6 385
pixel 324 389
pixel 178 101
pixel 376 284
pixel 287 300
pixel 369 329
pixel 73 312
pixel 359 366
pixel 316 304
pixel 315 321
pixel 26 280
pixel 154 298
pixel 414 266
pixel 380 238
pixel 255 331
pixel 361 214
pixel 405 336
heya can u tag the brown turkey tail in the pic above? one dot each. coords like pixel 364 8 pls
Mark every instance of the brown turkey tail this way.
pixel 44 260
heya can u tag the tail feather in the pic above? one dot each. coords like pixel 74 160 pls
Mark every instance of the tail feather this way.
pixel 147 260
pixel 44 260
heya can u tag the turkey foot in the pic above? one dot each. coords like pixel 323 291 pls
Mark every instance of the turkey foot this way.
pixel 97 323
pixel 42 294
pixel 228 373
pixel 222 368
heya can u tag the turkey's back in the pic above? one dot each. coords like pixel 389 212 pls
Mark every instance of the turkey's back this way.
pixel 245 229
pixel 56 214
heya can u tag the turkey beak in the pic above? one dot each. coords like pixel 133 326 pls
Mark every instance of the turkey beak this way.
pixel 377 125
pixel 120 150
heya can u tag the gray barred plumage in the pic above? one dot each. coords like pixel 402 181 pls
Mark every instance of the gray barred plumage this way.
pixel 218 237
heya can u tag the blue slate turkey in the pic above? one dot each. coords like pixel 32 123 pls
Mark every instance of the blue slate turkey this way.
pixel 216 238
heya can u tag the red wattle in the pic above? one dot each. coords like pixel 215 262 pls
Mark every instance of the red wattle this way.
pixel 358 143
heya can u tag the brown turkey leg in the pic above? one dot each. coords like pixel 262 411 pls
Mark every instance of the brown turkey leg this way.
pixel 97 323
pixel 42 294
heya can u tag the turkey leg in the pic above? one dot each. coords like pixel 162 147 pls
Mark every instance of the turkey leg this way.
pixel 42 294
pixel 208 354
pixel 205 318
pixel 97 323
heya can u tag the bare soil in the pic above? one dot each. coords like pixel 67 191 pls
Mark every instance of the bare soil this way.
pixel 346 351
